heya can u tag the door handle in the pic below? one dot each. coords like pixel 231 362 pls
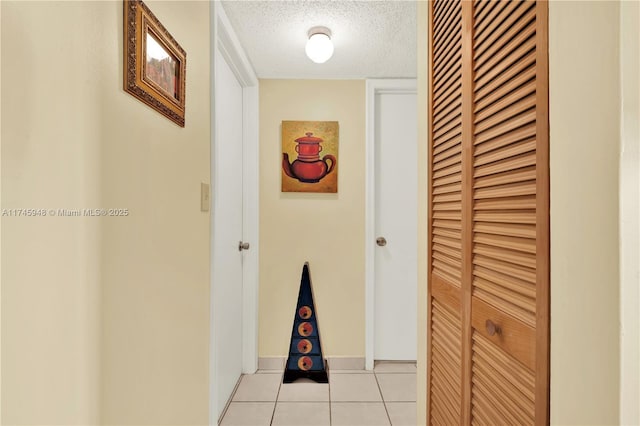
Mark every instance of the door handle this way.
pixel 492 328
pixel 243 246
pixel 381 241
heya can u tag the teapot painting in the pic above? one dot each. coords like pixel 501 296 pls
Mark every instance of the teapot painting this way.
pixel 308 167
pixel 309 162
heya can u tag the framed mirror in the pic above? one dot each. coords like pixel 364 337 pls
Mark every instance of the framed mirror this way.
pixel 154 63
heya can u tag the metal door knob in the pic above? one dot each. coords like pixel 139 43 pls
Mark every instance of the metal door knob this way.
pixel 381 241
pixel 243 246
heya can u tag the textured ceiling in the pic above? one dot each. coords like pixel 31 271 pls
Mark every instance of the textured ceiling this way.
pixel 372 39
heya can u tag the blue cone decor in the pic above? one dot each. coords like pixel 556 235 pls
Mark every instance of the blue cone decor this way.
pixel 305 352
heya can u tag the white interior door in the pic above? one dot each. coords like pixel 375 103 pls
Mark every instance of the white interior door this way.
pixel 395 288
pixel 227 233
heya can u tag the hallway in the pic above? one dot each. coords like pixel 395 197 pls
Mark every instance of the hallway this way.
pixel 111 319
pixel 384 396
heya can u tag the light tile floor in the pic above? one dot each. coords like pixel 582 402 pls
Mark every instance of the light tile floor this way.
pixel 385 396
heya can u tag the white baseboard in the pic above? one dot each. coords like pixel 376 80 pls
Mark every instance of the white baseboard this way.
pixel 346 363
pixel 271 363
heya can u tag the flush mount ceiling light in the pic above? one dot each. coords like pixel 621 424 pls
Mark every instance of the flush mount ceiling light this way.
pixel 319 46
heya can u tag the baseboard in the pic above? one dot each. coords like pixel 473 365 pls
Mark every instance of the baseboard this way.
pixel 271 363
pixel 346 363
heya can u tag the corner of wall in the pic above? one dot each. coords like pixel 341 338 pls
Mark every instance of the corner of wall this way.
pixel 422 22
pixel 629 213
pixel 1 206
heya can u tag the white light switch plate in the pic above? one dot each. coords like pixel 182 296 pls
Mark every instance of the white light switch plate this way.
pixel 204 197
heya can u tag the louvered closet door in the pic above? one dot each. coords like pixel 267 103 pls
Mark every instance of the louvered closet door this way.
pixel 446 214
pixel 489 220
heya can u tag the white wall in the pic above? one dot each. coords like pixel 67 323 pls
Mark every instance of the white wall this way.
pixel 103 319
pixel 584 151
pixel 155 291
pixel 325 229
pixel 630 214
pixel 51 136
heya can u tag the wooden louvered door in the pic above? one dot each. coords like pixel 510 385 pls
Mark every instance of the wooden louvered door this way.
pixel 445 318
pixel 488 342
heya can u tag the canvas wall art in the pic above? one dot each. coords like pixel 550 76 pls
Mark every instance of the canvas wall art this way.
pixel 310 156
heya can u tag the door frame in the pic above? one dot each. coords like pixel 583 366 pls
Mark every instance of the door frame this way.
pixel 225 41
pixel 375 87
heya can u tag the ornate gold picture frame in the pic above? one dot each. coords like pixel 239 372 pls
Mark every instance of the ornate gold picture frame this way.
pixel 154 63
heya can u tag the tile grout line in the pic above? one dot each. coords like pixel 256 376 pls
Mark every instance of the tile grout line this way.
pixel 280 388
pixel 273 413
pixel 384 402
pixel 329 388
pixel 230 400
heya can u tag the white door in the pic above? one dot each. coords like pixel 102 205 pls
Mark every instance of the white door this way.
pixel 395 306
pixel 227 233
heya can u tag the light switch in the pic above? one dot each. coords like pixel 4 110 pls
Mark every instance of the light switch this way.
pixel 204 197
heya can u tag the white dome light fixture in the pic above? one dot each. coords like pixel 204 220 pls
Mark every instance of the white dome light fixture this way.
pixel 319 47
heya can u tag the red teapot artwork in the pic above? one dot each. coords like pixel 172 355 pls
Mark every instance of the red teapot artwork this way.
pixel 309 162
pixel 308 167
